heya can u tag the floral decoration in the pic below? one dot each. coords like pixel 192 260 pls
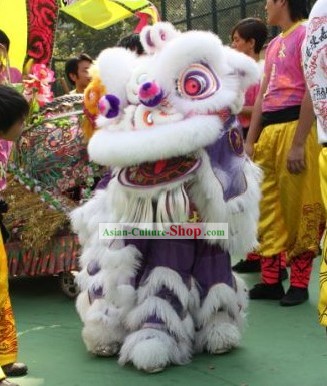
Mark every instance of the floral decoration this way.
pixel 37 86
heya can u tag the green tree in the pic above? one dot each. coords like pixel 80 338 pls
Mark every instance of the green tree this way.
pixel 73 37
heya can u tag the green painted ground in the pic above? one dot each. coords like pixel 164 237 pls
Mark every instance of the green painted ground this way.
pixel 281 346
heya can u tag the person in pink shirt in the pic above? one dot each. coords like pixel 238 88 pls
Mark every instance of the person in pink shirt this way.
pixel 282 141
pixel 248 36
pixel 13 75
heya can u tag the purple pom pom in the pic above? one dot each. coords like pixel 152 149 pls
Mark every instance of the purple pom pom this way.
pixel 109 106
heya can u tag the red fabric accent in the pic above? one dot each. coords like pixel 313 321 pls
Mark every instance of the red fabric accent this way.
pixel 144 20
pixel 158 173
pixel 253 256
pixel 42 18
pixel 271 268
pixel 59 255
pixel 301 267
pixel 159 166
pixel 223 114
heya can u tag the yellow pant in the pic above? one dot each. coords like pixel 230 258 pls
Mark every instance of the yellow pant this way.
pixel 291 209
pixel 322 306
pixel 8 337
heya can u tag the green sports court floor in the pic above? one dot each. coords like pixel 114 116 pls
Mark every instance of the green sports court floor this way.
pixel 281 346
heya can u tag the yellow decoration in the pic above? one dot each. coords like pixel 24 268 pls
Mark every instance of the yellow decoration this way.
pixel 92 94
pixel 100 14
pixel 13 22
pixel 37 223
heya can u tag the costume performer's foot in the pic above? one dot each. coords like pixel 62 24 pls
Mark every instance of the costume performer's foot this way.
pixel 267 291
pixel 15 369
pixel 295 296
pixel 247 266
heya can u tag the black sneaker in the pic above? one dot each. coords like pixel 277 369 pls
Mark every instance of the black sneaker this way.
pixel 294 296
pixel 247 266
pixel 15 369
pixel 267 291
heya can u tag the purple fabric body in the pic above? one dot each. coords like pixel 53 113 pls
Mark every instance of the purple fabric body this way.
pixel 227 159
pixel 103 183
pixel 208 264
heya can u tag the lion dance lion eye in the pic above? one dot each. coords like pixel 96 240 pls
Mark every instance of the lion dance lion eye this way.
pixel 197 82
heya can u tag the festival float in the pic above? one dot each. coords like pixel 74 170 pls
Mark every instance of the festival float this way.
pixel 49 173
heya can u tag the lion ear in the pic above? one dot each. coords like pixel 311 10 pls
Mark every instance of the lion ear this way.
pixel 154 38
pixel 245 67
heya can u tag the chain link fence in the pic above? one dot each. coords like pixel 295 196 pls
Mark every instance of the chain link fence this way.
pixel 218 16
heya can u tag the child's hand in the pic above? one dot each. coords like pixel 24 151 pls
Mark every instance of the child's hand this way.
pixel 296 159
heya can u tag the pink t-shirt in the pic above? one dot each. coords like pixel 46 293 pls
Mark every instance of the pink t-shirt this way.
pixel 250 97
pixel 283 69
pixel 15 75
pixel 5 149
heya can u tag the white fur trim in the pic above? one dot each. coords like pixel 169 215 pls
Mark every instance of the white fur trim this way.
pixel 218 336
pixel 245 67
pixel 164 311
pixel 82 305
pixel 152 350
pixel 194 298
pixel 102 329
pixel 163 142
pixel 220 297
pixel 220 319
pixel 241 213
pixel 126 258
pixel 162 276
pixel 242 294
pixel 80 217
pixel 115 66
pixel 135 206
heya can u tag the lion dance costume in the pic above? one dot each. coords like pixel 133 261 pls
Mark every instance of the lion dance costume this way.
pixel 169 134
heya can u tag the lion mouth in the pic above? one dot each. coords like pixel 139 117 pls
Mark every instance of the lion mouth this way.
pixel 158 173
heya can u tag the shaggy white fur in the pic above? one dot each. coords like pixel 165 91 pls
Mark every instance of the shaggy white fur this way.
pixel 103 331
pixel 115 67
pixel 159 277
pixel 221 318
pixel 166 141
pixel 241 213
pixel 152 350
pixel 154 38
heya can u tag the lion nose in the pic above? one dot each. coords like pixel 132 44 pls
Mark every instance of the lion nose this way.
pixel 150 94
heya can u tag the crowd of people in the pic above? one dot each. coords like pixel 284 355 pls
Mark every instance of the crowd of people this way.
pixel 284 121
